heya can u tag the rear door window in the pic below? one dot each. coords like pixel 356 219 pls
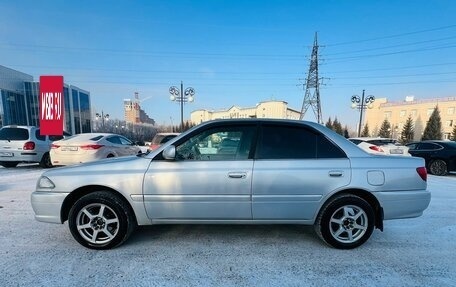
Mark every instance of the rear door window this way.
pixel 285 142
pixel 39 137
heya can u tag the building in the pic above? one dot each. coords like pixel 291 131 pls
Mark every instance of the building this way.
pixel 419 110
pixel 133 112
pixel 19 102
pixel 267 109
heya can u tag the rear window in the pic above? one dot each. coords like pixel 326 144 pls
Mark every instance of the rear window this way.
pixel 97 138
pixel 14 134
pixel 382 142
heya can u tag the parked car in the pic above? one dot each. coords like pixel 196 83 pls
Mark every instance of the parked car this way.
pixel 440 156
pixel 161 138
pixel 24 144
pixel 91 146
pixel 383 146
pixel 281 172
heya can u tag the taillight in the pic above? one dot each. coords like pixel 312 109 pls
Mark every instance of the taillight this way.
pixel 376 148
pixel 29 146
pixel 54 146
pixel 91 146
pixel 422 172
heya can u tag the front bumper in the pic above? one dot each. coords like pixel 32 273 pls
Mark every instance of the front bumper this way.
pixel 47 205
pixel 403 204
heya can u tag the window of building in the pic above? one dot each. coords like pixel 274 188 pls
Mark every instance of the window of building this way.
pixel 387 115
pixel 413 113
pixel 450 111
pixel 449 123
pixel 430 111
pixel 403 113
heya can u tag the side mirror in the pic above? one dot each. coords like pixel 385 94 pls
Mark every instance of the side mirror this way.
pixel 169 152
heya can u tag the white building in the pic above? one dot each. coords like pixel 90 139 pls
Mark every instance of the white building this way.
pixel 267 109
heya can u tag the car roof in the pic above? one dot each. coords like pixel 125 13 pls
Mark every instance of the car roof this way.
pixel 370 138
pixel 349 148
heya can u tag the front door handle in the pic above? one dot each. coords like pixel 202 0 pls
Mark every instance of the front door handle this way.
pixel 237 174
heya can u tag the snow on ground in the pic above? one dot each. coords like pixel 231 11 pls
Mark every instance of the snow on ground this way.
pixel 410 252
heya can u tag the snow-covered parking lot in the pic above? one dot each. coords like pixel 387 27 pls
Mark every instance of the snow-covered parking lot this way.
pixel 410 252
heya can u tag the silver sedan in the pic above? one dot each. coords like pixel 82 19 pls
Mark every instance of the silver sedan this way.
pixel 271 172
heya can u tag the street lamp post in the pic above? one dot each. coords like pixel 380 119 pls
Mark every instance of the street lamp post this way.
pixel 102 116
pixel 182 96
pixel 361 105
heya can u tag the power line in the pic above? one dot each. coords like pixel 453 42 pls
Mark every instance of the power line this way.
pixel 391 36
pixel 391 46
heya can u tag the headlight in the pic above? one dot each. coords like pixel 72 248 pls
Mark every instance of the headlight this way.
pixel 45 182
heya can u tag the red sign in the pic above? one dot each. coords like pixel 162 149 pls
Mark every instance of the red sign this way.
pixel 51 105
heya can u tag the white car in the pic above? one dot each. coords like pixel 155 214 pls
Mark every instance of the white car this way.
pixel 383 146
pixel 91 146
pixel 25 144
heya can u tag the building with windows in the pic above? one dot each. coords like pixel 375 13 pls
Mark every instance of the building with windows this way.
pixel 19 103
pixel 419 110
pixel 267 109
pixel 133 112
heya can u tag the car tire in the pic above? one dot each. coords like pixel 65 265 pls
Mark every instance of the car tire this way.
pixel 46 161
pixel 8 164
pixel 345 222
pixel 101 220
pixel 438 167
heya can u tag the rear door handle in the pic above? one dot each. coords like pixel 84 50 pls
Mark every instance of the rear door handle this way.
pixel 237 174
pixel 336 173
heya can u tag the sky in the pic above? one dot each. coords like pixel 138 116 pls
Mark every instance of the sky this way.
pixel 235 52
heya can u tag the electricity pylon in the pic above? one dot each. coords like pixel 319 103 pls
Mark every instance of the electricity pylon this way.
pixel 312 94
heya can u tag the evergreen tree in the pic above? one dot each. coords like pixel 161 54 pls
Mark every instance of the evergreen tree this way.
pixel 408 131
pixel 337 127
pixel 329 124
pixel 385 129
pixel 365 132
pixel 433 129
pixel 346 134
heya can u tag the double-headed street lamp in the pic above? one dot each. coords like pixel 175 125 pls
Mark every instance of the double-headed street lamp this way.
pixel 361 105
pixel 102 116
pixel 182 96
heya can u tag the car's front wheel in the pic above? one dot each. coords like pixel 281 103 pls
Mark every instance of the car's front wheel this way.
pixel 438 167
pixel 346 222
pixel 101 220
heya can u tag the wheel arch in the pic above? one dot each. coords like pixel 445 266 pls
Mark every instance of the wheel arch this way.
pixel 367 196
pixel 82 191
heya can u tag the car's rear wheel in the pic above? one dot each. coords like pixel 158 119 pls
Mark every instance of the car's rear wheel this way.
pixel 8 164
pixel 346 222
pixel 438 167
pixel 46 161
pixel 101 220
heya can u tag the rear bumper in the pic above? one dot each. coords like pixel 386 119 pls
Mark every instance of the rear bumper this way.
pixel 47 205
pixel 403 204
pixel 22 156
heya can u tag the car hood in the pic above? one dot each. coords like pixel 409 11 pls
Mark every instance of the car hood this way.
pixel 114 165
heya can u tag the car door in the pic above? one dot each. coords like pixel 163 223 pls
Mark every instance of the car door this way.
pixel 204 181
pixel 426 150
pixel 128 147
pixel 295 167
